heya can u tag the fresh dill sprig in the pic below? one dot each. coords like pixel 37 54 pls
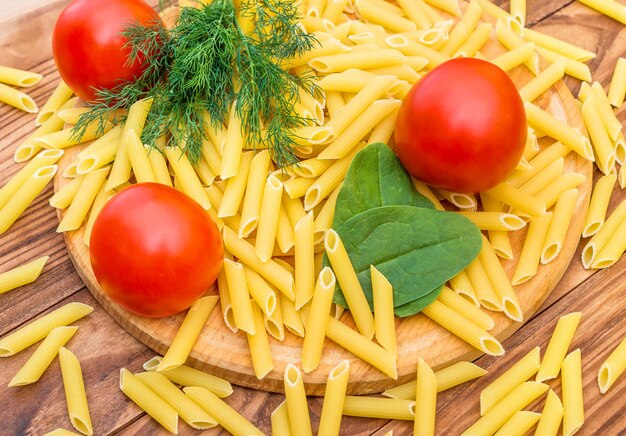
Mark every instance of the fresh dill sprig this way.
pixel 206 62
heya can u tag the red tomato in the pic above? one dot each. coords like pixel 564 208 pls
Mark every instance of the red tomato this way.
pixel 88 47
pixel 154 250
pixel 462 127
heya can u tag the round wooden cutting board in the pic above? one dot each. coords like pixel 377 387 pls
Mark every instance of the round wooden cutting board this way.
pixel 225 354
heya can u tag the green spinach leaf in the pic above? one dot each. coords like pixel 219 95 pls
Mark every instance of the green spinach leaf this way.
pixel 375 178
pixel 415 306
pixel 417 249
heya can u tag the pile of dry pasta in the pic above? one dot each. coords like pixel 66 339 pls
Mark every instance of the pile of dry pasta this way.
pixel 277 223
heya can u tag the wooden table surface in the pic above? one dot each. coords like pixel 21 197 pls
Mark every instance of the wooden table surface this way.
pixel 103 347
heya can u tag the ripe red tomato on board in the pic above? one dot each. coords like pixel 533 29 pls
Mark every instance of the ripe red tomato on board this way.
pixel 154 250
pixel 462 127
pixel 88 47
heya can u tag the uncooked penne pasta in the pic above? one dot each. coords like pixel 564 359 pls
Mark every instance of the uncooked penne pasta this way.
pixel 557 347
pixel 61 94
pixel 519 424
pixel 20 78
pixel 573 67
pixel 334 399
pixel 482 286
pixel 43 356
pixel 612 9
pixel 557 45
pixel 375 13
pixel 233 145
pixel 64 195
pixel 519 398
pixel 299 420
pixel 543 81
pixel 511 40
pixel 260 291
pixel 384 319
pixel 350 286
pixel 274 323
pixel 462 306
pixel 188 333
pixel 75 394
pixel 462 285
pixel 464 329
pixel 513 377
pixel 600 140
pixel 544 177
pixel 606 233
pixel 531 251
pixel 447 378
pixel 235 187
pixel 280 420
pixel 612 367
pixel 425 400
pixel 138 155
pixel 188 376
pixel 538 164
pixel 495 220
pixel 499 239
pixel 259 167
pixel 551 416
pixel 17 99
pixel 617 88
pixel 85 196
pixel 382 408
pixel 572 386
pixel 517 199
pixel 25 195
pixel 475 41
pixel 613 249
pixel 98 203
pixel 563 213
pixel 550 194
pixel 22 275
pixel 186 175
pixel 259 344
pixel 515 57
pixel 304 262
pixel 239 296
pixel 268 218
pixel 148 400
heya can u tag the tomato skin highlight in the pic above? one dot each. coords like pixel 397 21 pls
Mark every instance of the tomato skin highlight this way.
pixel 88 47
pixel 154 250
pixel 462 127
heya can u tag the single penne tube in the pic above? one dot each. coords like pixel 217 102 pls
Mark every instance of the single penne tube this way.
pixel 498 239
pixel 327 182
pixel 334 9
pixel 464 329
pixel 233 146
pixel 384 129
pixel 567 135
pixel 257 174
pixel 270 270
pixel 113 135
pixel 274 324
pixel 600 139
pixel 462 285
pixel 621 177
pixel 349 282
pixel 572 386
pixel 327 47
pixel 261 292
pixel 531 251
pixel 298 186
pixel 26 336
pixel 475 41
pixel 334 399
pixel 482 286
pixel 606 233
pixel 563 213
pixel 617 88
pixel 139 158
pixel 362 347
pixel 39 361
pixel 188 333
pixel 188 376
pixel 511 40
pixel 375 13
pixel 495 220
pixel 279 420
pixel 543 81
pixel 98 203
pixel 382 408
pixel 557 347
pixel 519 424
pixel 227 417
pixel 211 155
pixel 235 187
pixel 415 14
pixel 620 149
pixel 518 11
pixel 354 133
pixel 500 281
pixel 551 416
pixel 75 394
pixel 551 193
pixel 448 377
pixel 22 275
pixel 614 10
pixel 313 167
pixel 186 175
pixel 17 99
pixel 518 200
pixel 404 72
pixel 189 411
pixel 462 306
pixel 613 249
pixel 515 401
pixel 294 209
pixel 324 218
pixel 268 218
pixel 612 367
pixel 543 178
pixel 317 322
pixel 67 137
pixel 101 156
pixel 612 124
pixel 573 67
pixel 515 57
pixel 384 320
pixel 557 45
pixel 63 197
pixel 299 420
pixel 457 36
pixel 292 318
pixel 19 78
pixel 239 296
pixel 85 196
pixel 159 166
pixel 25 195
pixel 42 159
pixel 148 400
pixel 61 94
pixel 427 192
pixel 259 344
pixel 425 400
pixel 513 377
pixel 365 60
pixel 304 261
pixel 538 164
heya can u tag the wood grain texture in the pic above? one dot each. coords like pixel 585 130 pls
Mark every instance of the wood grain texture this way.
pixel 227 355
pixel 604 414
